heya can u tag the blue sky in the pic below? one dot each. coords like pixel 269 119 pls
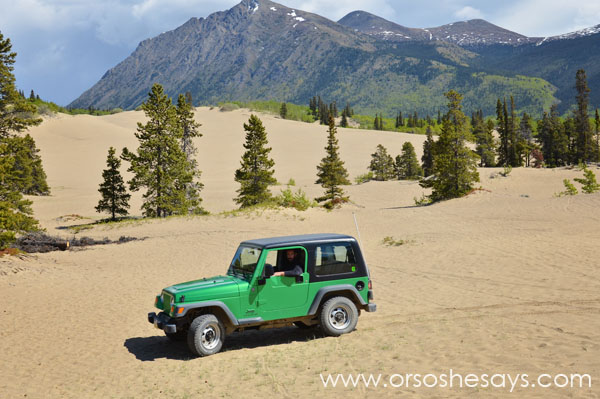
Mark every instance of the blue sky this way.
pixel 65 46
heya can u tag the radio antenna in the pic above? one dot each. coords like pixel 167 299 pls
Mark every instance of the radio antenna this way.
pixel 357 230
pixel 361 244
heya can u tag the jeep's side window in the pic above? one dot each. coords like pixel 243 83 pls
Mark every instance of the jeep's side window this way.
pixel 334 259
pixel 286 259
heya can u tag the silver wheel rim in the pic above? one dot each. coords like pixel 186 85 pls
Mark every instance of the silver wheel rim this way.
pixel 210 336
pixel 339 318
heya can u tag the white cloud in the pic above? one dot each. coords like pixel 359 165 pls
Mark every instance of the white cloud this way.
pixel 468 12
pixel 335 9
pixel 549 17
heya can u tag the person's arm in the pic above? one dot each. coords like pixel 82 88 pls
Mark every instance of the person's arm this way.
pixel 295 272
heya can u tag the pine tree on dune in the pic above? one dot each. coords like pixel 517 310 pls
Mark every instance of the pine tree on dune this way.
pixel 454 164
pixel 331 171
pixel 256 172
pixel 114 197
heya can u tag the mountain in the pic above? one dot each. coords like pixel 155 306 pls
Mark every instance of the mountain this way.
pixel 261 50
pixel 362 21
pixel 475 32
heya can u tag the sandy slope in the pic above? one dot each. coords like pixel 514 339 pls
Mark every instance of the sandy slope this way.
pixel 504 281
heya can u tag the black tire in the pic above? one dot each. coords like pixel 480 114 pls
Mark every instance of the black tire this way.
pixel 178 336
pixel 206 335
pixel 338 316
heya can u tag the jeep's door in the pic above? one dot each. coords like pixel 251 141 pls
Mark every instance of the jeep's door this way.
pixel 281 296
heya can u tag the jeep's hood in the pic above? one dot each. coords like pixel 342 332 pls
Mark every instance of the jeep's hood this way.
pixel 206 289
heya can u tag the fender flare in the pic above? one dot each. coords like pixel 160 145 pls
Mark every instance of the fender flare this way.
pixel 209 304
pixel 334 288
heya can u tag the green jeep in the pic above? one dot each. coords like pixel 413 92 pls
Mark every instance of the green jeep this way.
pixel 305 280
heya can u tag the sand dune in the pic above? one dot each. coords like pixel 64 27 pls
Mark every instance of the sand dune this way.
pixel 505 280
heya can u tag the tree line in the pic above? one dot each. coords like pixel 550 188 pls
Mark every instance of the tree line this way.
pixel 21 171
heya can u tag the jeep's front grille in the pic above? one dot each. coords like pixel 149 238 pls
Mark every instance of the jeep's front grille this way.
pixel 166 298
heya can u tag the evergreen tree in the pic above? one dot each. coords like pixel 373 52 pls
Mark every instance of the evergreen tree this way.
pixel 323 112
pixel 484 139
pixel 115 199
pixel 189 99
pixel 570 134
pixel 32 96
pixel 15 212
pixel 27 172
pixel 256 172
pixel 552 138
pixel 283 110
pixel 407 166
pixel 313 106
pixel 382 164
pixel 20 165
pixel 16 113
pixel 454 164
pixel 427 158
pixel 333 109
pixel 525 136
pixel 589 183
pixel 584 150
pixel 439 118
pixel 189 130
pixel 349 112
pixel 514 141
pixel 159 164
pixel 503 149
pixel 376 122
pixel 344 121
pixel 331 171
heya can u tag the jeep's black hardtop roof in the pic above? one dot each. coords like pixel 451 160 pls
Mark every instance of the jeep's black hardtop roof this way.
pixel 273 242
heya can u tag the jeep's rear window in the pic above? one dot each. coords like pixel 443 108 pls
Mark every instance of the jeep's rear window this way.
pixel 244 262
pixel 334 259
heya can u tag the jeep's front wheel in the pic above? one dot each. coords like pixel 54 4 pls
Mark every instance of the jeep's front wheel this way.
pixel 206 335
pixel 338 316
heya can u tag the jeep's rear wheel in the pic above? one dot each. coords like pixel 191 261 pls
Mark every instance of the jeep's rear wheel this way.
pixel 206 335
pixel 338 316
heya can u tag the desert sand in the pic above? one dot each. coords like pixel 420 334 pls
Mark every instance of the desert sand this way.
pixel 505 280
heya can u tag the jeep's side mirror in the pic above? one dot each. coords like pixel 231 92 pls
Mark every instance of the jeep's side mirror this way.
pixel 299 279
pixel 268 270
pixel 262 281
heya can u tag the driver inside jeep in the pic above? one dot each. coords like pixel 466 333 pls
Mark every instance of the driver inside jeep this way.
pixel 292 264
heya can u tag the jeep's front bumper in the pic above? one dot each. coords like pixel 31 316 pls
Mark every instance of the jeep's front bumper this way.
pixel 163 322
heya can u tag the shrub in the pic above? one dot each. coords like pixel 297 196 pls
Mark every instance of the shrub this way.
pixel 506 171
pixel 364 178
pixel 424 200
pixel 228 107
pixel 335 202
pixel 297 200
pixel 569 189
pixel 589 183
pixel 391 241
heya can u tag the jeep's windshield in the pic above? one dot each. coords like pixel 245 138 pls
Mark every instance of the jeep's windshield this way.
pixel 244 262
